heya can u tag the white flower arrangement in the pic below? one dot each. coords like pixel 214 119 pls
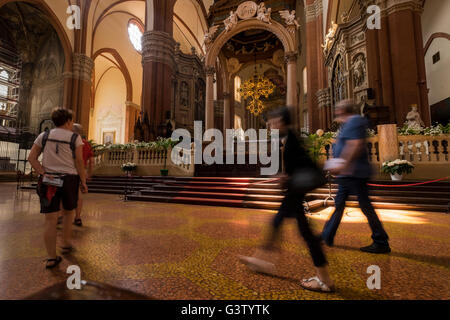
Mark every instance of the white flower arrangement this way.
pixel 397 166
pixel 129 166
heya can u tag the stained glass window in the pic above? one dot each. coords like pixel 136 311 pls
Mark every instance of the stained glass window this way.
pixel 135 35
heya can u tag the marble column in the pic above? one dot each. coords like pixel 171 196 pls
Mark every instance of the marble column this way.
pixel 291 67
pixel 226 111
pixel 209 115
pixel 81 88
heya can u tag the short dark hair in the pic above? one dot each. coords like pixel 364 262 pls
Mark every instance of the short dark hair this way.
pixel 282 112
pixel 61 116
pixel 348 105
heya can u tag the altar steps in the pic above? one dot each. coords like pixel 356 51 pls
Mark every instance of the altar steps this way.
pixel 259 194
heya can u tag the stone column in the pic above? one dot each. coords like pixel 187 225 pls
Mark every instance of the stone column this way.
pixel 209 109
pixel 324 102
pixel 388 142
pixel 314 59
pixel 291 67
pixel 158 65
pixel 81 88
pixel 397 68
pixel 158 62
pixel 226 111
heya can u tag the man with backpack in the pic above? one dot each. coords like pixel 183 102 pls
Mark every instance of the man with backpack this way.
pixel 61 174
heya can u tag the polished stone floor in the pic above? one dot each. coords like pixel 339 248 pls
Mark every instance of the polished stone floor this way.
pixel 171 251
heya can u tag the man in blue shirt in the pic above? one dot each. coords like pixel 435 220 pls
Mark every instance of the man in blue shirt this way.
pixel 352 176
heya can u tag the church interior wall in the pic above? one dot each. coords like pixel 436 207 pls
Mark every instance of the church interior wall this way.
pixel 436 37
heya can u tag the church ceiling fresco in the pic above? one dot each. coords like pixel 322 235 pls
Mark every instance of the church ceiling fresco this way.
pixel 26 28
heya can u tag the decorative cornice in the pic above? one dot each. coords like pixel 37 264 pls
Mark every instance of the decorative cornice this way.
pixel 82 67
pixel 158 46
pixel 313 11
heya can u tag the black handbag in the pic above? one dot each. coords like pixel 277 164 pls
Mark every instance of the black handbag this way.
pixel 306 179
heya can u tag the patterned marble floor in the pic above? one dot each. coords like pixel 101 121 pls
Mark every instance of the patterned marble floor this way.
pixel 170 251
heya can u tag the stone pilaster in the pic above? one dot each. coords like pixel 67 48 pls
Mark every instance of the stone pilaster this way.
pixel 80 82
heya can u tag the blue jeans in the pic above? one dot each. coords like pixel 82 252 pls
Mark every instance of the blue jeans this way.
pixel 358 187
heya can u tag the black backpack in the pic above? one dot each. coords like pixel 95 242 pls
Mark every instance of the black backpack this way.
pixel 73 139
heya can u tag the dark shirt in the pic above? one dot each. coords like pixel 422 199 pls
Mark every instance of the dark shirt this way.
pixel 295 156
pixel 354 129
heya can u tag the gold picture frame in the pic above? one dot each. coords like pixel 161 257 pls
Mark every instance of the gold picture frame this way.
pixel 109 137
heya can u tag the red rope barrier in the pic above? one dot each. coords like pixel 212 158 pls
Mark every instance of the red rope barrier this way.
pixel 407 185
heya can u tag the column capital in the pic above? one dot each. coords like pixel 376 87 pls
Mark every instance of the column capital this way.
pixel 313 10
pixel 290 57
pixel 226 95
pixel 210 70
pixel 158 46
pixel 82 67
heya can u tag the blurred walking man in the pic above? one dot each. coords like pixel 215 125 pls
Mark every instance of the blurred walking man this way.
pixel 352 174
pixel 295 158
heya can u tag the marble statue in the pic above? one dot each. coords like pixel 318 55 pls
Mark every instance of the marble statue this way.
pixel 264 14
pixel 209 36
pixel 413 119
pixel 231 21
pixel 329 38
pixel 289 18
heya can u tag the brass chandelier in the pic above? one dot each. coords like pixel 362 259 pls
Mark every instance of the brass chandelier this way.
pixel 255 88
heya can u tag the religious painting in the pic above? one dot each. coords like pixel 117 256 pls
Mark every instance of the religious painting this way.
pixel 109 137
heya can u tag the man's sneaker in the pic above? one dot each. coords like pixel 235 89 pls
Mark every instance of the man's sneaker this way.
pixel 376 248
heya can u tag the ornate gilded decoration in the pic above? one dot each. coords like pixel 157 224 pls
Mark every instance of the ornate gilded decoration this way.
pixel 209 36
pixel 329 38
pixel 264 14
pixel 231 21
pixel 359 70
pixel 289 18
pixel 338 81
pixel 247 10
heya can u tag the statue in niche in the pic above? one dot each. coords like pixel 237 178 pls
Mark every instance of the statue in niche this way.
pixel 264 14
pixel 329 38
pixel 359 70
pixel 413 119
pixel 184 94
pixel 289 18
pixel 231 21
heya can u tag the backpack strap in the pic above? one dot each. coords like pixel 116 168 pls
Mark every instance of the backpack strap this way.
pixel 44 140
pixel 73 140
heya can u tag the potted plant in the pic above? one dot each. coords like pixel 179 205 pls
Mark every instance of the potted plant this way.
pixel 163 145
pixel 397 168
pixel 129 167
